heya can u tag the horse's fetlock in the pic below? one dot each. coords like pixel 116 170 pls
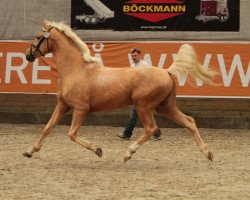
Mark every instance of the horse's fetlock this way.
pixel 36 148
pixel 131 150
pixel 72 138
pixel 203 147
pixel 152 130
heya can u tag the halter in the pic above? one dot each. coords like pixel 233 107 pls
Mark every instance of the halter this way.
pixel 36 47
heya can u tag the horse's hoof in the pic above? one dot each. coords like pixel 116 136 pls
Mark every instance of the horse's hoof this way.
pixel 126 158
pixel 210 156
pixel 28 155
pixel 98 151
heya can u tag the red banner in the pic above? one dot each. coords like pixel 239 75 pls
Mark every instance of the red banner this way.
pixel 230 59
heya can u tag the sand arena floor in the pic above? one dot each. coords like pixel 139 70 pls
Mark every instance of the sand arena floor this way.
pixel 172 168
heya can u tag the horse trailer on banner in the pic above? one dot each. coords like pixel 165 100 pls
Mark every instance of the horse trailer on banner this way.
pixel 102 12
pixel 213 10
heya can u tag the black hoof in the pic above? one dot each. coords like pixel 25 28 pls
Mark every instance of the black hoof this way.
pixel 27 155
pixel 98 151
pixel 126 158
pixel 210 156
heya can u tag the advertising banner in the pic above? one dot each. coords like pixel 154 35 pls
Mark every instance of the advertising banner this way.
pixel 19 76
pixel 92 14
pixel 230 59
pixel 156 15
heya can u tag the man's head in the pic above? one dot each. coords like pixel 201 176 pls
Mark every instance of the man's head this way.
pixel 135 54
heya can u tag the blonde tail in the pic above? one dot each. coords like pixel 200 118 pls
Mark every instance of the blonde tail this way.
pixel 186 63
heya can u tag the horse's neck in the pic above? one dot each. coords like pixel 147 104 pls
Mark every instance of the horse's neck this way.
pixel 69 59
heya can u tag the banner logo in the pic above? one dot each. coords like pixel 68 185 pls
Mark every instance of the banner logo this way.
pixel 154 11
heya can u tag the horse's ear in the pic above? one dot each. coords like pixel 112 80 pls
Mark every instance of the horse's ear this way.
pixel 45 23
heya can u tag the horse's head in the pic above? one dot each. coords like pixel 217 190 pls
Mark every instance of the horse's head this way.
pixel 41 44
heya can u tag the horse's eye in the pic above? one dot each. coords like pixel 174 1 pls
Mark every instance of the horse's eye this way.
pixel 38 38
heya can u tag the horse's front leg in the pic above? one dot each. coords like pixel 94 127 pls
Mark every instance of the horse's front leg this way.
pixel 59 112
pixel 150 127
pixel 77 120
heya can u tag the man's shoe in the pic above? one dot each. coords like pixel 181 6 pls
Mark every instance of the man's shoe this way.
pixel 157 137
pixel 122 136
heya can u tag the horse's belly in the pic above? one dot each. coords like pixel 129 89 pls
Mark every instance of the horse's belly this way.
pixel 104 103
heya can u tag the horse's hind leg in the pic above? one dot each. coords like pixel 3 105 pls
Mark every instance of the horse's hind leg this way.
pixel 59 112
pixel 147 119
pixel 173 113
pixel 77 120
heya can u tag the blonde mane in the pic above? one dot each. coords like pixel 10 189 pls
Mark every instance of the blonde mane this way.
pixel 79 43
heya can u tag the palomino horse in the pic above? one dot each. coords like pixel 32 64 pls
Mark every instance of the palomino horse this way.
pixel 86 86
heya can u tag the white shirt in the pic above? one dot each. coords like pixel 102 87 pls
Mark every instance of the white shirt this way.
pixel 140 63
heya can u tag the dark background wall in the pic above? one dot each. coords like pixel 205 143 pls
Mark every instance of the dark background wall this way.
pixel 22 19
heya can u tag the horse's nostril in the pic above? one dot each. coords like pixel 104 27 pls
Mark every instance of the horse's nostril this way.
pixel 30 57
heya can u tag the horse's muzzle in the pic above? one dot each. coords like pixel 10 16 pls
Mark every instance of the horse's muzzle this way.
pixel 30 57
